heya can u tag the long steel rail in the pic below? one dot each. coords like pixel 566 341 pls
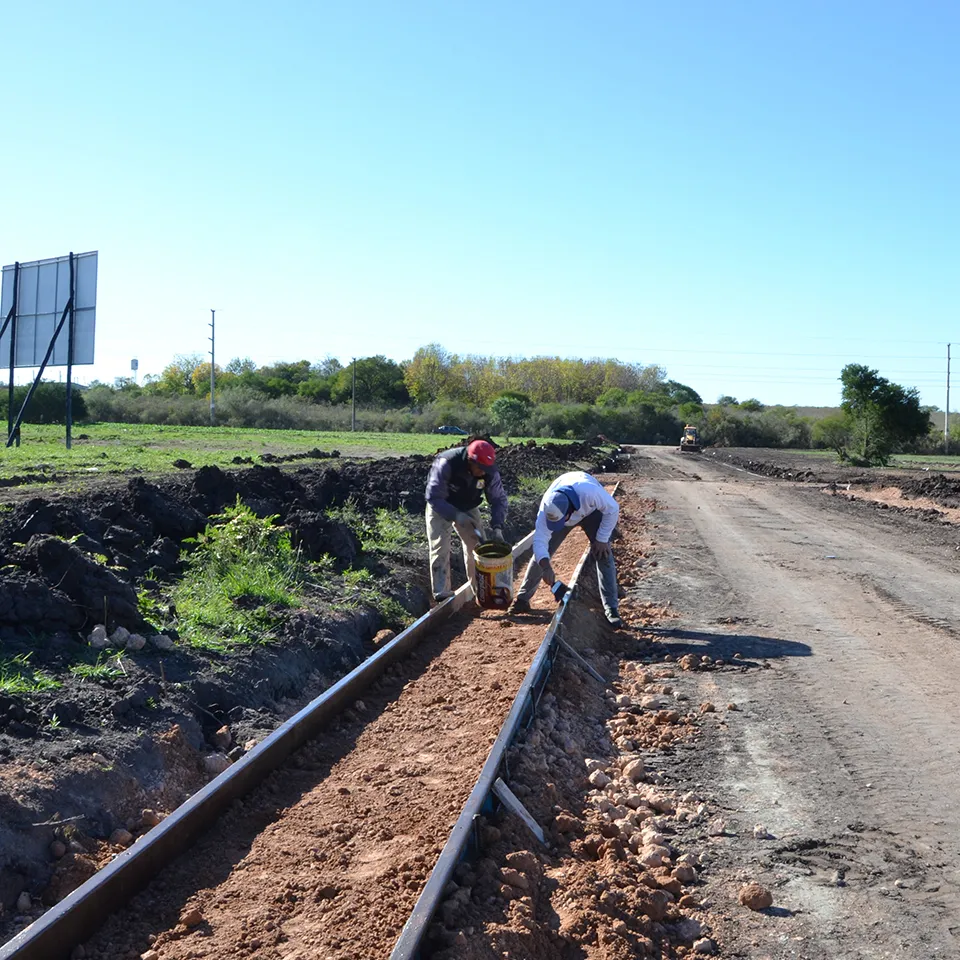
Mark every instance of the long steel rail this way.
pixel 79 915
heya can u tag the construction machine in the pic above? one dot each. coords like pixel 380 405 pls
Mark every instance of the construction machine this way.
pixel 690 441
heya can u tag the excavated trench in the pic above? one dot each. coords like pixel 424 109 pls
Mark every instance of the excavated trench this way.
pixel 90 764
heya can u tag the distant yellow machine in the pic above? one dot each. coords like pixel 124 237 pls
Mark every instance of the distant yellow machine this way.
pixel 690 441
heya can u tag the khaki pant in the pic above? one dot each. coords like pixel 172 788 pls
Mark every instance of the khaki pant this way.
pixel 438 538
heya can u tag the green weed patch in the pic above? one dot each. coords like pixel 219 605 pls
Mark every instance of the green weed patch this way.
pixel 105 668
pixel 18 676
pixel 241 571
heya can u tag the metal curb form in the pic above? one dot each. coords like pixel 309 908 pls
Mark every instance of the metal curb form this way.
pixel 78 916
pixel 411 937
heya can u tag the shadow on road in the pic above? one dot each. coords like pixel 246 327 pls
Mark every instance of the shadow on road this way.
pixel 725 645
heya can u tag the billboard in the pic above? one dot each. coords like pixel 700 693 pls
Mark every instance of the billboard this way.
pixel 43 289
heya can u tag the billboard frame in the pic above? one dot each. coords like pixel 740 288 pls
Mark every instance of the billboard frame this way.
pixel 69 312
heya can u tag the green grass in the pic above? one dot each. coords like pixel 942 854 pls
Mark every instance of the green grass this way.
pixel 940 462
pixel 384 531
pixel 241 570
pixel 116 448
pixel 104 669
pixel 362 587
pixel 535 485
pixel 17 676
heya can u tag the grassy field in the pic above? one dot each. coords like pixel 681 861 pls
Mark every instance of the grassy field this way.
pixel 106 448
pixel 939 462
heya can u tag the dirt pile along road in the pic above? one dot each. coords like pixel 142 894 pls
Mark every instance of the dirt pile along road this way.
pixel 106 738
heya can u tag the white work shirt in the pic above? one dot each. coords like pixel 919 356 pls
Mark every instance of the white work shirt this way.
pixel 592 496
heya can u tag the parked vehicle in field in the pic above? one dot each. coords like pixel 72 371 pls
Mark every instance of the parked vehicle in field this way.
pixel 454 430
pixel 690 441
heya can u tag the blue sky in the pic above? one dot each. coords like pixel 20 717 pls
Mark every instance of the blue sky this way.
pixel 750 194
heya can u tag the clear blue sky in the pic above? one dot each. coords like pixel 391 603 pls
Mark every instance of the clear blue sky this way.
pixel 750 194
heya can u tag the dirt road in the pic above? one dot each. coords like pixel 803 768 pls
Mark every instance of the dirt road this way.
pixel 847 749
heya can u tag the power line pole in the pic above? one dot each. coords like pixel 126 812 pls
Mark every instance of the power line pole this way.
pixel 946 413
pixel 353 419
pixel 213 333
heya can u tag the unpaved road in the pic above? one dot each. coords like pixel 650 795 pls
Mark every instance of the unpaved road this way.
pixel 847 749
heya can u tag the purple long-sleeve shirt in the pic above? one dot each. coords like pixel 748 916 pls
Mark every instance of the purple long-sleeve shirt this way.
pixel 438 490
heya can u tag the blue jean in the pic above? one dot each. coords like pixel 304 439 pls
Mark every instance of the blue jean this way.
pixel 606 568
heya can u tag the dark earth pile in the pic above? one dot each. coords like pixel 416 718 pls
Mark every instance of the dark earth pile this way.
pixel 87 757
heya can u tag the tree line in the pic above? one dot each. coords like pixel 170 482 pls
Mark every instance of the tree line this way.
pixel 432 374
pixel 541 396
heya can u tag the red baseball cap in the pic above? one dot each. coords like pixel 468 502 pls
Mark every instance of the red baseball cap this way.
pixel 482 452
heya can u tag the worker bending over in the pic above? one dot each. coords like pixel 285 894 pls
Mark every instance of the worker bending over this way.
pixel 574 499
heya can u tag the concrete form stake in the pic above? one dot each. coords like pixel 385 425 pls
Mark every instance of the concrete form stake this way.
pixel 510 800
pixel 581 660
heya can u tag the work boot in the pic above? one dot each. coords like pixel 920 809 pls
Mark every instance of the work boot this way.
pixel 520 605
pixel 443 595
pixel 613 618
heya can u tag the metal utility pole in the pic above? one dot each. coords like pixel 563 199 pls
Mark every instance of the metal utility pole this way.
pixel 213 333
pixel 946 413
pixel 353 418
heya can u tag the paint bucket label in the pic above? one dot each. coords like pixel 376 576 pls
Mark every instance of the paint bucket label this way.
pixel 494 579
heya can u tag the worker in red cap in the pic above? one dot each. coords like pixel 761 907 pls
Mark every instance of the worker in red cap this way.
pixel 459 479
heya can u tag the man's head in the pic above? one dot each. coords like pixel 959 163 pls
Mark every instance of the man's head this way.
pixel 480 457
pixel 558 510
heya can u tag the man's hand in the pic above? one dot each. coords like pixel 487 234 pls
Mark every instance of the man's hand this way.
pixel 546 572
pixel 601 550
pixel 497 534
pixel 464 520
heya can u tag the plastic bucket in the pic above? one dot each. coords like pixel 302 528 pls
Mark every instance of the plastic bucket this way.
pixel 494 581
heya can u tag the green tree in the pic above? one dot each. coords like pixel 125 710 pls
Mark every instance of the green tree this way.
pixel 48 404
pixel 614 397
pixel 427 375
pixel 240 365
pixel 380 383
pixel 727 401
pixel 176 379
pixel 751 406
pixel 509 412
pixel 680 393
pixel 884 415
pixel 833 433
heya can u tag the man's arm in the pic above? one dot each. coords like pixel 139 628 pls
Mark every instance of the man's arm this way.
pixel 611 514
pixel 438 489
pixel 541 537
pixel 497 498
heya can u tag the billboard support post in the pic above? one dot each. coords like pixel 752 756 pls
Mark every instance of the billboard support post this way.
pixel 12 322
pixel 15 432
pixel 70 341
